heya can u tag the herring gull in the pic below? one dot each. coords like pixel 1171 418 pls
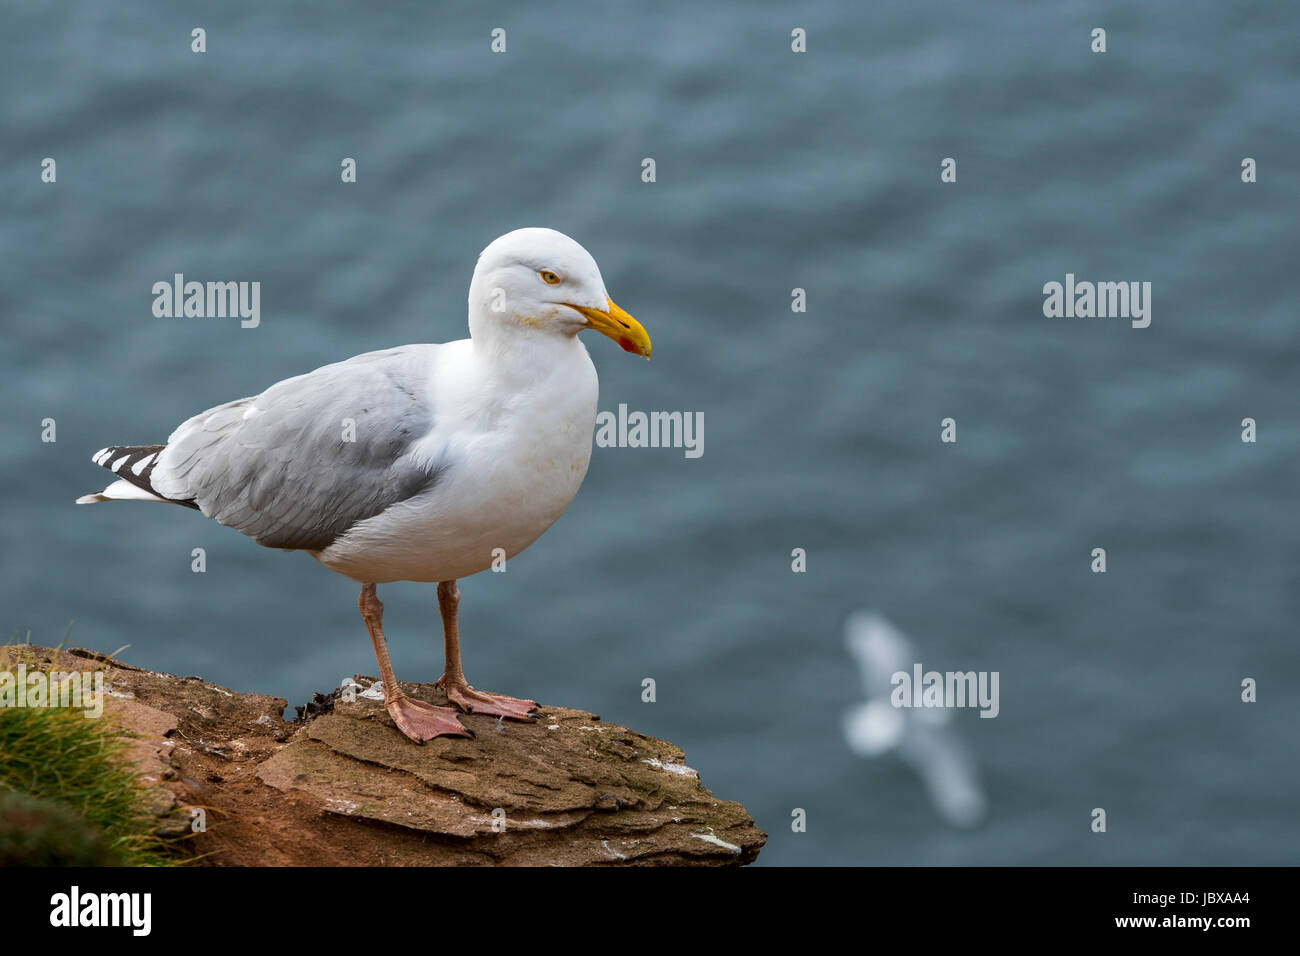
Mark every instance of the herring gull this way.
pixel 416 463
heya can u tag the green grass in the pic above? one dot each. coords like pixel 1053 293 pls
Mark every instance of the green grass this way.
pixel 68 790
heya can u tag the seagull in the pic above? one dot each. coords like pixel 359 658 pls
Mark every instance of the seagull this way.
pixel 416 463
pixel 925 738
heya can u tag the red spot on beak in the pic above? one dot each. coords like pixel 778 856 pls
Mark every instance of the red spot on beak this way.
pixel 627 345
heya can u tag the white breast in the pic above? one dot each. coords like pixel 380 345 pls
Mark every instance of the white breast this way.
pixel 514 450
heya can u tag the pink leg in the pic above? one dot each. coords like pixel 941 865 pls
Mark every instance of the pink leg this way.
pixel 415 718
pixel 453 681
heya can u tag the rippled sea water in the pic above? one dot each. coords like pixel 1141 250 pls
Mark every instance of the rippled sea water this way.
pixel 775 170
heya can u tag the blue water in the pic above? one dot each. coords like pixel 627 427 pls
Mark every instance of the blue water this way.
pixel 775 170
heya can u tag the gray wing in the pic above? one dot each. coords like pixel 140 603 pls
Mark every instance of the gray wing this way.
pixel 880 650
pixel 278 467
pixel 947 766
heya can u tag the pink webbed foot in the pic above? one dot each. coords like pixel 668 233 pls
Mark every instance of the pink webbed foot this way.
pixel 421 721
pixel 473 701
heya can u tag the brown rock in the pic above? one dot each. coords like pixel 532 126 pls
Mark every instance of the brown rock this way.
pixel 346 788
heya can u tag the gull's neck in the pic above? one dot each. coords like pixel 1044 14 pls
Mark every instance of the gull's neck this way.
pixel 519 354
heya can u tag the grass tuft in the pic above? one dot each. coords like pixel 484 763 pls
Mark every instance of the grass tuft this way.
pixel 71 782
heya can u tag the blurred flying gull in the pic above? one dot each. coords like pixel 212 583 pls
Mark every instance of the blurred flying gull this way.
pixel 924 737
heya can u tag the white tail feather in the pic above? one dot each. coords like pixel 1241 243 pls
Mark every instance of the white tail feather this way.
pixel 121 490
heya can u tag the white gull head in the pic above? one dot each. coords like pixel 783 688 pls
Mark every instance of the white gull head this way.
pixel 541 282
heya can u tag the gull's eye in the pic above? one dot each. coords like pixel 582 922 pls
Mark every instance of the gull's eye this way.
pixel 549 277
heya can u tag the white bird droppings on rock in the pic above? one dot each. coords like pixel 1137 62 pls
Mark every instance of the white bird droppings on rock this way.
pixel 679 768
pixel 710 838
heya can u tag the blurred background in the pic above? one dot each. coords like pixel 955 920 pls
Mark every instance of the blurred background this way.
pixel 775 170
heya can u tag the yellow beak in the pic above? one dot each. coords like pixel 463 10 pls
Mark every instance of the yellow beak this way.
pixel 619 326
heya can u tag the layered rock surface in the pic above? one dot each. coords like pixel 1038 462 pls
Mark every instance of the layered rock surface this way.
pixel 343 787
